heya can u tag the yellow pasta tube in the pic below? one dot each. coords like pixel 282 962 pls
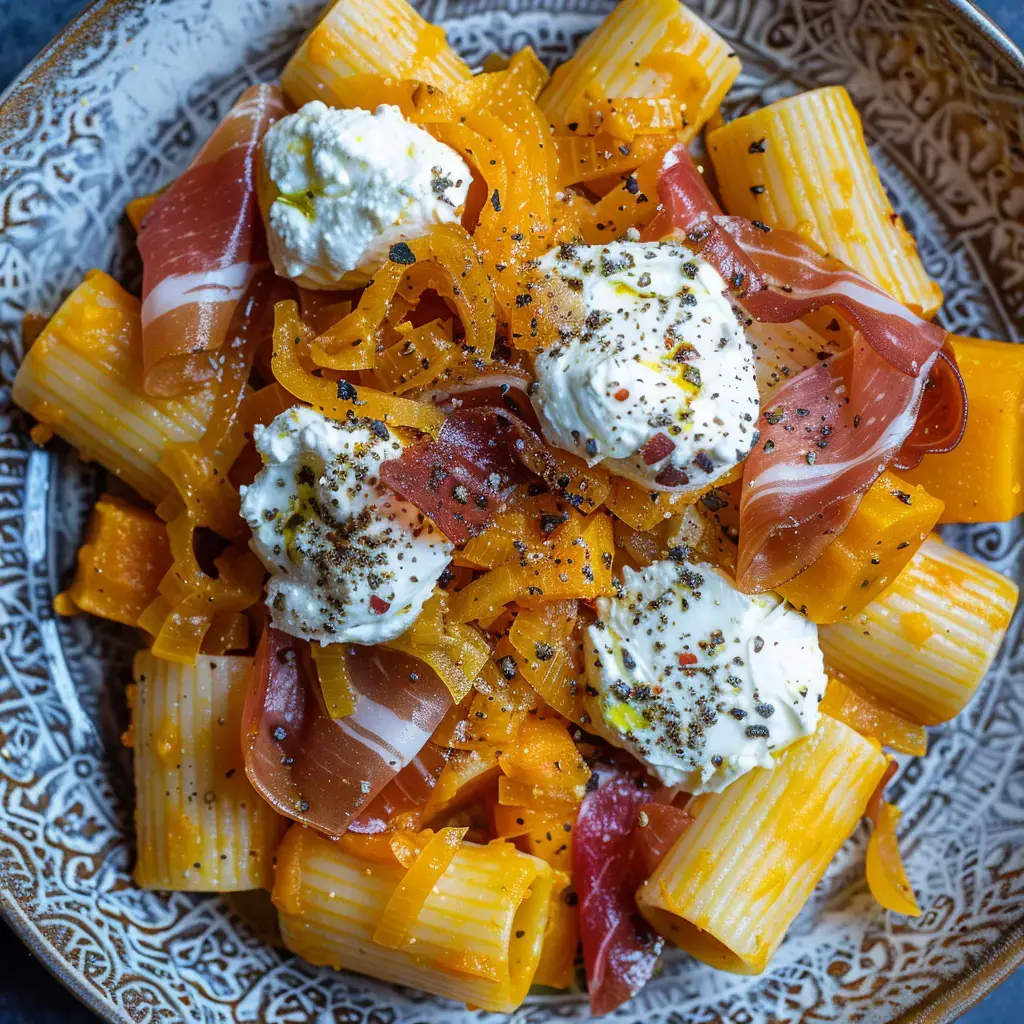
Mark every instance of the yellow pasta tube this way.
pixel 802 164
pixel 477 936
pixel 925 643
pixel 200 825
pixel 654 52
pixel 732 884
pixel 82 377
pixel 359 41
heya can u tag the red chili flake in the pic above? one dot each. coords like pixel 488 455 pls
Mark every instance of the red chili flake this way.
pixel 621 395
pixel 656 448
pixel 377 606
pixel 687 659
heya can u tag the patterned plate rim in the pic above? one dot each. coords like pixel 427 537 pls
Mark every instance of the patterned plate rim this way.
pixel 942 1006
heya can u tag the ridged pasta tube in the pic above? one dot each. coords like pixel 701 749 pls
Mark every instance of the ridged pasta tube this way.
pixel 643 49
pixel 802 164
pixel 360 38
pixel 476 939
pixel 732 884
pixel 924 644
pixel 199 823
pixel 82 377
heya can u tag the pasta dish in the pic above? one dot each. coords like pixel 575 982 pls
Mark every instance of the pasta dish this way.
pixel 524 486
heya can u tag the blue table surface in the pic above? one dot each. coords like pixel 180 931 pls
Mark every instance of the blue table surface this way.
pixel 28 994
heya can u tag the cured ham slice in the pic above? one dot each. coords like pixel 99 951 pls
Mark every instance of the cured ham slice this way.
pixel 201 244
pixel 321 771
pixel 658 827
pixel 831 430
pixel 400 804
pixel 612 852
pixel 462 478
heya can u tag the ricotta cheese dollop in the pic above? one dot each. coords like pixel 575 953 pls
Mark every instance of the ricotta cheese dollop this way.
pixel 339 188
pixel 350 561
pixel 651 373
pixel 701 682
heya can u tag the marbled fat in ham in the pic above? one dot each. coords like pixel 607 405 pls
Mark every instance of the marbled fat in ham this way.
pixel 200 244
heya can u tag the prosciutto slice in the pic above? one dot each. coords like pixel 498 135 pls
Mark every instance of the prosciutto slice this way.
pixel 200 245
pixel 402 801
pixel 612 854
pixel 462 478
pixel 830 431
pixel 324 772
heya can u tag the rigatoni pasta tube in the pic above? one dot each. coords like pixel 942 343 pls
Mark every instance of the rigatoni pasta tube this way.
pixel 732 884
pixel 802 164
pixel 643 50
pixel 477 938
pixel 925 643
pixel 360 41
pixel 83 378
pixel 199 823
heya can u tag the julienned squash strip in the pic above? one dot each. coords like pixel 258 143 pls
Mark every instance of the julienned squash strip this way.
pixel 323 393
pixel 406 903
pixel 189 600
pixel 582 568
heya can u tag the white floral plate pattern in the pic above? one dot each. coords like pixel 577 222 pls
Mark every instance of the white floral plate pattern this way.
pixel 115 109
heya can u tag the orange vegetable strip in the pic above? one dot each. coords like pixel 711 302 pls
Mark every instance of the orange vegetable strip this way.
pixel 872 717
pixel 887 877
pixel 322 394
pixel 406 902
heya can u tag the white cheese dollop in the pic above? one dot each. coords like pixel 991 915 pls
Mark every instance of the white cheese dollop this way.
pixel 350 561
pixel 701 682
pixel 652 374
pixel 340 187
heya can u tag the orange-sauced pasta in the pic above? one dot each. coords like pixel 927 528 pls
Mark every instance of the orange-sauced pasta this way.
pixel 475 934
pixel 526 538
pixel 201 826
pixel 82 378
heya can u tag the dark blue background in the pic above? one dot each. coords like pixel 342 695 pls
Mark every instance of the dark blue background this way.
pixel 28 994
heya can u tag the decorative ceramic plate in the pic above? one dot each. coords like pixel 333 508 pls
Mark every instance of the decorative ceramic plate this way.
pixel 115 109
